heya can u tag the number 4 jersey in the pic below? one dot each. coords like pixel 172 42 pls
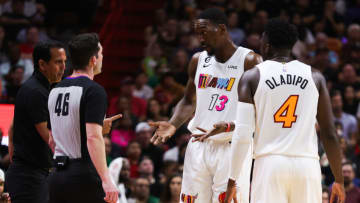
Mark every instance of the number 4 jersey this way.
pixel 216 91
pixel 73 103
pixel 286 102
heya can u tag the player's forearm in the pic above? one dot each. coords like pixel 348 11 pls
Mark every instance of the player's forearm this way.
pixel 183 111
pixel 332 149
pixel 96 148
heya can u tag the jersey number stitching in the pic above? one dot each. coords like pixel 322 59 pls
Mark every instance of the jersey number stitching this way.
pixel 286 113
pixel 214 98
pixel 64 108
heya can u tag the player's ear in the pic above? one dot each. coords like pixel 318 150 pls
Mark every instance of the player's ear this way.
pixel 222 28
pixel 42 64
pixel 92 61
pixel 267 47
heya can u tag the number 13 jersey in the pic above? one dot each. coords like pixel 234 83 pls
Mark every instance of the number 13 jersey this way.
pixel 216 91
pixel 286 103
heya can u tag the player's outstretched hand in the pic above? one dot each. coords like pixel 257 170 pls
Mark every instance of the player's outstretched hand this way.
pixel 338 191
pixel 164 131
pixel 219 127
pixel 108 123
pixel 111 192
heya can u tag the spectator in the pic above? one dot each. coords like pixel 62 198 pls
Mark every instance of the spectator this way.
pixel 169 36
pixel 321 43
pixel 13 83
pixel 352 191
pixel 4 196
pixel 142 90
pixel 15 59
pixel 154 111
pixel 4 154
pixel 137 105
pixel 350 101
pixel 32 38
pixel 120 173
pixel 348 121
pixel 154 62
pixel 3 46
pixel 325 195
pixel 332 22
pixel 133 153
pixel 182 138
pixel 146 170
pixel 252 42
pixel 179 66
pixel 348 77
pixel 143 136
pixel 142 192
pixel 171 193
pixel 351 42
pixel 236 34
pixel 169 91
pixel 123 132
pixel 169 168
pixel 15 19
pixel 107 142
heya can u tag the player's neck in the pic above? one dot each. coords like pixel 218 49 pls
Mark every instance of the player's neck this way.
pixel 281 56
pixel 225 52
pixel 86 73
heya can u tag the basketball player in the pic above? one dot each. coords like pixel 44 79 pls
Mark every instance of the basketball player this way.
pixel 213 78
pixel 280 100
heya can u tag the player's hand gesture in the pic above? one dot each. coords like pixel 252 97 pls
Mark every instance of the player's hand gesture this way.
pixel 219 127
pixel 108 123
pixel 164 131
pixel 338 191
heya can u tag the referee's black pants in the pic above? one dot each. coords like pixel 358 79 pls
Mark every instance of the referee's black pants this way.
pixel 78 182
pixel 26 183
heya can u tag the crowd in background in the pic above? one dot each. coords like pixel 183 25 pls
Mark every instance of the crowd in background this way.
pixel 329 40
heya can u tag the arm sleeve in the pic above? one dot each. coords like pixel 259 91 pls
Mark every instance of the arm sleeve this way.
pixel 242 138
pixel 37 107
pixel 95 105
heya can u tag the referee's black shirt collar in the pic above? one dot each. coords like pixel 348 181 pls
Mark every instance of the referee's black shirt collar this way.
pixel 42 79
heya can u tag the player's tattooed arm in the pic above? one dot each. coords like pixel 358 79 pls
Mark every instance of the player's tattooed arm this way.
pixel 328 133
pixel 251 60
pixel 183 110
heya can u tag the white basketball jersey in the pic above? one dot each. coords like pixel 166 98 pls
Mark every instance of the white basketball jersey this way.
pixel 286 103
pixel 216 91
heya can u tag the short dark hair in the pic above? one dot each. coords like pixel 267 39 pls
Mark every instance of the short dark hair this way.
pixel 42 51
pixel 281 34
pixel 214 15
pixel 334 93
pixel 82 48
pixel 353 166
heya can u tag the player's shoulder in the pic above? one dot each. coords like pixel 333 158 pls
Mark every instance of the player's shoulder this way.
pixel 251 76
pixel 194 63
pixel 94 86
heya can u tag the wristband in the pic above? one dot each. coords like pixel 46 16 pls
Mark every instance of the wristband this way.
pixel 228 127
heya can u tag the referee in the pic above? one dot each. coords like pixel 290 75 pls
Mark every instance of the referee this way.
pixel 77 107
pixel 26 178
